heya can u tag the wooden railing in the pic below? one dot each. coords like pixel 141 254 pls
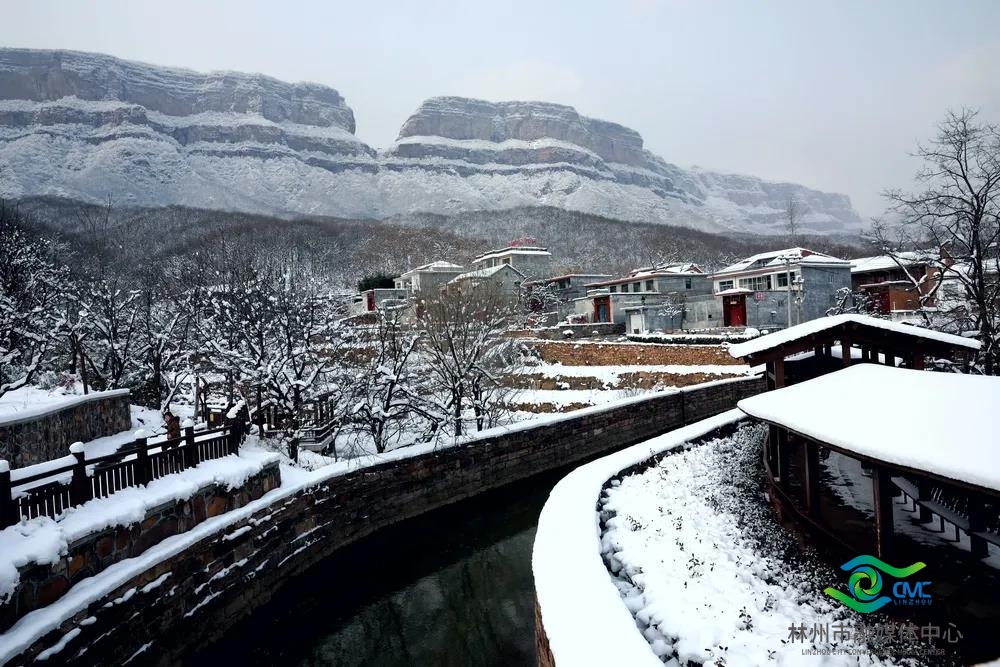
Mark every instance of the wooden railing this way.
pixel 49 488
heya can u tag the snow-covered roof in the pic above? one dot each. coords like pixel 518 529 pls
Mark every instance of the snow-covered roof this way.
pixel 778 338
pixel 486 273
pixel 514 250
pixel 650 272
pixel 775 259
pixel 436 267
pixel 564 276
pixel 957 439
pixel 733 291
pixel 884 262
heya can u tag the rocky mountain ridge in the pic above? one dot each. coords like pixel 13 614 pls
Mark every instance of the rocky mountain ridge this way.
pixel 84 126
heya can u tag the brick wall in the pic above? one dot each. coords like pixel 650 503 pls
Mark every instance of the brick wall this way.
pixel 41 437
pixel 193 597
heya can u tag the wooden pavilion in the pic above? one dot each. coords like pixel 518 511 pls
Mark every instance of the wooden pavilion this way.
pixel 827 345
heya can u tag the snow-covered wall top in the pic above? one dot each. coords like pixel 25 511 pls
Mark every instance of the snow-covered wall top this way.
pixel 85 126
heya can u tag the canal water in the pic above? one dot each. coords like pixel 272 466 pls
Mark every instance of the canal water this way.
pixel 453 587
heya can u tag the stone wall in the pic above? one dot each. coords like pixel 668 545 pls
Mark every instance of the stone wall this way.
pixel 190 598
pixel 42 435
pixel 40 585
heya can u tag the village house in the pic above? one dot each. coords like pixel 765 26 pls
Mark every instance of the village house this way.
pixel 428 277
pixel 530 260
pixel 374 299
pixel 780 288
pixel 559 292
pixel 504 276
pixel 670 297
pixel 896 285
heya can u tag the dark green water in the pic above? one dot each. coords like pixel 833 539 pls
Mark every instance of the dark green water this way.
pixel 453 587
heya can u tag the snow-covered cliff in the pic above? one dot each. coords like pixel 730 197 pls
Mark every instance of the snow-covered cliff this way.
pixel 85 126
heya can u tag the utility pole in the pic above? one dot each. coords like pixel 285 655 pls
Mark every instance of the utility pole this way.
pixel 788 301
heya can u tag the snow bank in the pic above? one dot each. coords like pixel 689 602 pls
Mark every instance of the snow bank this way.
pixel 585 619
pixel 704 565
pixel 956 439
pixel 777 338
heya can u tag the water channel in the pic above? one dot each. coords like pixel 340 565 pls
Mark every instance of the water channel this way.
pixel 453 587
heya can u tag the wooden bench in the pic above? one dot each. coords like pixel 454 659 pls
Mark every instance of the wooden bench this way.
pixel 951 508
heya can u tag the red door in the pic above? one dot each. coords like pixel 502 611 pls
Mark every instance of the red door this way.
pixel 602 309
pixel 734 311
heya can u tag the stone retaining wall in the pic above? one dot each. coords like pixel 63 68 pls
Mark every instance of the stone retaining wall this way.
pixel 47 434
pixel 191 598
pixel 41 585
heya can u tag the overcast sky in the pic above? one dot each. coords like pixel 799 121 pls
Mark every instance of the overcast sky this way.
pixel 833 95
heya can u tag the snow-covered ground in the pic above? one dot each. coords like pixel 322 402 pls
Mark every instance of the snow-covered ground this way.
pixel 708 573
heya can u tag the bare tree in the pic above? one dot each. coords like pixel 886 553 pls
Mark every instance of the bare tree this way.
pixel 674 308
pixel 31 287
pixel 793 214
pixel 953 224
pixel 462 331
pixel 388 403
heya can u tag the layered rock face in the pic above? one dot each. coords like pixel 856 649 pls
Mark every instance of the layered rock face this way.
pixel 556 156
pixel 86 126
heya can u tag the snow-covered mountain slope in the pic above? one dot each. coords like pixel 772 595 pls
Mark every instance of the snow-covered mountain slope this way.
pixel 85 126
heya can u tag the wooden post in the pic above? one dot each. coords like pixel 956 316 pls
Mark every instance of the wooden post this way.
pixel 190 446
pixel 977 524
pixel 7 517
pixel 923 490
pixel 845 352
pixel 234 436
pixel 811 451
pixel 80 490
pixel 779 373
pixel 293 449
pixel 883 492
pixel 890 359
pixel 142 471
pixel 782 454
pixel 918 361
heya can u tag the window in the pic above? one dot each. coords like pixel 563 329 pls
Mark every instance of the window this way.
pixel 725 284
pixel 636 287
pixel 783 279
pixel 625 287
pixel 687 283
pixel 649 285
pixel 506 260
pixel 757 283
pixel 614 288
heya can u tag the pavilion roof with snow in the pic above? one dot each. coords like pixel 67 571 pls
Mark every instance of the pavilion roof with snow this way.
pixel 873 335
pixel 955 442
pixel 938 446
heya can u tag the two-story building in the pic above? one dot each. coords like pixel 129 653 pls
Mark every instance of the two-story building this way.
pixel 531 261
pixel 780 288
pixel 503 277
pixel 559 292
pixel 896 284
pixel 428 277
pixel 678 296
